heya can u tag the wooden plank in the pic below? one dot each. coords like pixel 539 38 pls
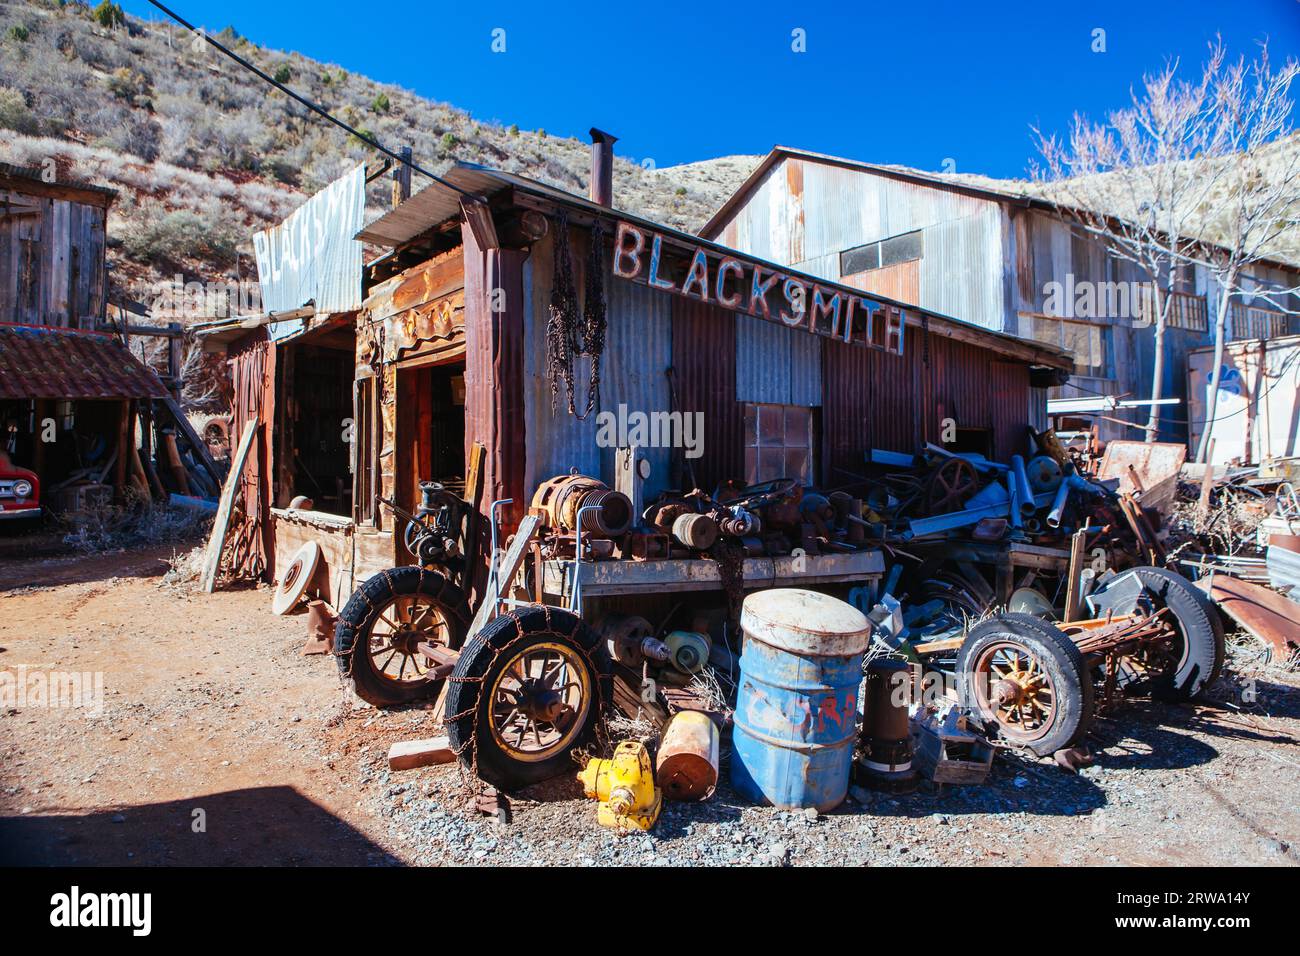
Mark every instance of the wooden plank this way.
pixel 1073 593
pixel 221 525
pixel 505 573
pixel 410 754
pixel 197 445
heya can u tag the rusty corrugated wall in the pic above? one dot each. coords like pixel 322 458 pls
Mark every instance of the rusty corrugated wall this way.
pixel 704 357
pixel 494 371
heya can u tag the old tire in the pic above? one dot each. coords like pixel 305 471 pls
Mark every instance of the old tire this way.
pixel 1054 706
pixel 1199 650
pixel 533 671
pixel 405 606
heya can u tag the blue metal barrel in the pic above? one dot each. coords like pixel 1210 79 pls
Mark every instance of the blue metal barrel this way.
pixel 800 669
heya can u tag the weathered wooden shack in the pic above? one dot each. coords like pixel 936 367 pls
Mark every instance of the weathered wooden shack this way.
pixel 791 374
pixel 76 407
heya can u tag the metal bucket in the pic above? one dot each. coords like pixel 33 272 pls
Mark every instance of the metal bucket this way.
pixel 800 669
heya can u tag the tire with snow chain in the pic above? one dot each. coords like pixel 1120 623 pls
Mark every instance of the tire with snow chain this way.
pixel 1025 678
pixel 378 632
pixel 528 689
pixel 1199 649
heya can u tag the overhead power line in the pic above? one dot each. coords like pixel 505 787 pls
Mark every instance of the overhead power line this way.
pixel 315 108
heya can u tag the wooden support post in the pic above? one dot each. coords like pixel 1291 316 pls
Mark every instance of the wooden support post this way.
pixel 123 452
pixel 402 177
pixel 1207 481
pixel 1073 595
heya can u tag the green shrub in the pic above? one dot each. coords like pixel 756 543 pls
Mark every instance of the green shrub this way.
pixel 170 237
pixel 18 32
pixel 15 114
pixel 448 141
pixel 381 104
pixel 108 15
pixel 514 129
pixel 282 73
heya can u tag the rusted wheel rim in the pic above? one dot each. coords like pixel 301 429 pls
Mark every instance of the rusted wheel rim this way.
pixel 538 702
pixel 400 626
pixel 951 484
pixel 1013 687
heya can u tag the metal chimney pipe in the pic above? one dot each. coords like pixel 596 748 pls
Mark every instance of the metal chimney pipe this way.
pixel 602 167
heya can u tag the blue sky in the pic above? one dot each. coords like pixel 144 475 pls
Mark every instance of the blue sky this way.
pixel 917 83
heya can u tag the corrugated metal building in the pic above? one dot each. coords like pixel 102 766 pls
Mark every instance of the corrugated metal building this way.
pixel 833 399
pixel 986 256
pixel 451 349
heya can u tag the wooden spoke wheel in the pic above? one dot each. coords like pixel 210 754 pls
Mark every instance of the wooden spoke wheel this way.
pixel 539 701
pixel 950 485
pixel 397 629
pixel 1013 685
pixel 380 629
pixel 1025 680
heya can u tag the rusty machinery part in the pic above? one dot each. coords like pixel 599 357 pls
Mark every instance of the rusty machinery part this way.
pixel 559 500
pixel 762 495
pixel 433 533
pixel 625 787
pixel 949 486
pixel 297 579
pixel 380 629
pixel 695 531
pixel 688 651
pixel 216 432
pixel 1192 660
pixel 1026 680
pixel 739 523
pixel 886 732
pixel 528 690
pixel 630 640
pixel 661 514
pixel 686 761
pixel 1044 473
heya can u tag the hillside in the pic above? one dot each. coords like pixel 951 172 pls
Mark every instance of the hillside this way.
pixel 204 154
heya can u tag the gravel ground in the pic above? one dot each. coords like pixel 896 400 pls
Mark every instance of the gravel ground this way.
pixel 209 706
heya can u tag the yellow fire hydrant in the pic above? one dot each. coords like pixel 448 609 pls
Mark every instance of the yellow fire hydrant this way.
pixel 625 787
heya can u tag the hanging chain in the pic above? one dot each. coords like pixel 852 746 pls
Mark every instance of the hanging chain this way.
pixel 567 332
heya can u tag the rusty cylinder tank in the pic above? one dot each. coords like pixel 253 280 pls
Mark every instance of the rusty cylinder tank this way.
pixel 886 734
pixel 687 763
pixel 696 531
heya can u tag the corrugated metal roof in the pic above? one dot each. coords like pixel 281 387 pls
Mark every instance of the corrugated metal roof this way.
pixel 45 362
pixel 436 204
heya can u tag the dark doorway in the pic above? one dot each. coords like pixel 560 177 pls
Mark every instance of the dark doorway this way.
pixel 430 429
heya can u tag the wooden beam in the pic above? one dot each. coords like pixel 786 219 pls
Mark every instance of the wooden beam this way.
pixel 1074 586
pixel 221 525
pixel 505 574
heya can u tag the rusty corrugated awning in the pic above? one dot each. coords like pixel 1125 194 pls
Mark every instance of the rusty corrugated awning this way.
pixel 39 361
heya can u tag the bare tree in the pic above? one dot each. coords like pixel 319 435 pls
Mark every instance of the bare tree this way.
pixel 1135 183
pixel 1259 198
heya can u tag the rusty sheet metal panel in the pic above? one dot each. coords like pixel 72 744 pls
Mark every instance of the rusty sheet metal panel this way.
pixel 47 362
pixel 556 441
pixel 638 351
pixel 870 401
pixel 704 356
pixel 776 365
pixel 495 407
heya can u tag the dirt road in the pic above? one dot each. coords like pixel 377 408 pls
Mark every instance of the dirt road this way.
pixel 218 743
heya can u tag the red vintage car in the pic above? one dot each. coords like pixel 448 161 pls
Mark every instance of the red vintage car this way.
pixel 20 491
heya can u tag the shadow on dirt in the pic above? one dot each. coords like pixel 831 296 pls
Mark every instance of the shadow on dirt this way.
pixel 265 826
